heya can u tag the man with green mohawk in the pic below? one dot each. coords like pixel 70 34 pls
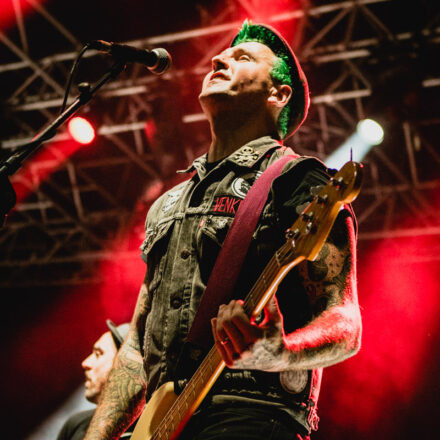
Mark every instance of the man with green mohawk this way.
pixel 285 70
pixel 255 96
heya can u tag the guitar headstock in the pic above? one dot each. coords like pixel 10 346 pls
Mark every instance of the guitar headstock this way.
pixel 307 235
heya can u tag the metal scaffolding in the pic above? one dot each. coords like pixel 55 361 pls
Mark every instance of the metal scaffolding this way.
pixel 355 57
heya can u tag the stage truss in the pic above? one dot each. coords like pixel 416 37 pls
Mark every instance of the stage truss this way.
pixel 360 61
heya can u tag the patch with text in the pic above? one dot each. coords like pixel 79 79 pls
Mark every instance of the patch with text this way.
pixel 226 204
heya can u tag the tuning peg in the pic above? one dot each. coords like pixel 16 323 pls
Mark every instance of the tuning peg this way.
pixel 310 228
pixel 322 200
pixel 292 233
pixel 307 216
pixel 338 183
pixel 314 190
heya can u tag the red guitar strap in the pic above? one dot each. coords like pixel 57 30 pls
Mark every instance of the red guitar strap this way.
pixel 230 259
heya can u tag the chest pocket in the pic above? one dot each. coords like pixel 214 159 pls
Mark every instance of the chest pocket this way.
pixel 210 237
pixel 154 250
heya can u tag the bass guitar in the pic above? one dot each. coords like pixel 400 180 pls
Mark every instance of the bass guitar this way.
pixel 166 414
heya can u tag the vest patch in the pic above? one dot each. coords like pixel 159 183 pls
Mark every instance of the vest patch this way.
pixel 294 381
pixel 226 204
pixel 240 187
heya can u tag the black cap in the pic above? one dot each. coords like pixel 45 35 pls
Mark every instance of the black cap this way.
pixel 118 332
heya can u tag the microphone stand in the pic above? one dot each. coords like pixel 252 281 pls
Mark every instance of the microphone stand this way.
pixel 8 198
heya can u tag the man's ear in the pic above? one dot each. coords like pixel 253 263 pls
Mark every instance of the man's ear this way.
pixel 280 95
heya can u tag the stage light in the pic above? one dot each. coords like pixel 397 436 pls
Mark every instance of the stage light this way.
pixel 8 17
pixel 81 130
pixel 368 134
pixel 151 132
pixel 370 131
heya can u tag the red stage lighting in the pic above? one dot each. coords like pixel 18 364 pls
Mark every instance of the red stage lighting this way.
pixel 8 15
pixel 151 132
pixel 41 166
pixel 81 130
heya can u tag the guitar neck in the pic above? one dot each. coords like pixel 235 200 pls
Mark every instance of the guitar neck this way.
pixel 212 366
pixel 267 283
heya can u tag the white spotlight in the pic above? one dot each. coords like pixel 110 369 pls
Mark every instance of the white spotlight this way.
pixel 370 131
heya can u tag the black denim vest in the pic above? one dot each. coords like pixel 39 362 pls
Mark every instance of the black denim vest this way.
pixel 184 231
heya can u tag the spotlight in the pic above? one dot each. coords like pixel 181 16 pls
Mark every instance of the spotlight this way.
pixel 81 130
pixel 370 131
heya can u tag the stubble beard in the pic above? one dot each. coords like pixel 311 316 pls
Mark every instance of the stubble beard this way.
pixel 91 395
pixel 220 104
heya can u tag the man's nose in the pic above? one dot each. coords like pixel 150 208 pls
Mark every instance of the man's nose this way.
pixel 85 364
pixel 219 62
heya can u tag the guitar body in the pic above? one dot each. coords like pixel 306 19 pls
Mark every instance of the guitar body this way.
pixel 154 412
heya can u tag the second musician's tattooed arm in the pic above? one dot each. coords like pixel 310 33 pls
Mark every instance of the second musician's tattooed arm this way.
pixel 124 395
pixel 332 335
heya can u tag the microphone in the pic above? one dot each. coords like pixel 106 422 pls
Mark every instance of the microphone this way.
pixel 156 60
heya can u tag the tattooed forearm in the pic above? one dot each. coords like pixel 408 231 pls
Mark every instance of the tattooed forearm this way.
pixel 123 397
pixel 333 333
pixel 266 354
pixel 122 400
pixel 330 338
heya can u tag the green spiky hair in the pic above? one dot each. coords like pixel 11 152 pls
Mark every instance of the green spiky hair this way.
pixel 283 71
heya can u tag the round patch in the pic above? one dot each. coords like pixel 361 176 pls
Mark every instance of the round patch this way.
pixel 294 381
pixel 240 187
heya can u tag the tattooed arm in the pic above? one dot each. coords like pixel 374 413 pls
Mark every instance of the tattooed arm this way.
pixel 124 394
pixel 332 335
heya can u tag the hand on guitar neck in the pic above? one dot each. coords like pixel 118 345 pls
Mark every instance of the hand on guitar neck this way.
pixel 233 331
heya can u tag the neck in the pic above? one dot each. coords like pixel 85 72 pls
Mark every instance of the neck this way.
pixel 228 134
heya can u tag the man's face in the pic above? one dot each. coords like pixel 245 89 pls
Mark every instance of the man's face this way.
pixel 97 366
pixel 241 72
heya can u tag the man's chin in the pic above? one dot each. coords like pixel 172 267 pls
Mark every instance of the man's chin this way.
pixel 213 100
pixel 91 396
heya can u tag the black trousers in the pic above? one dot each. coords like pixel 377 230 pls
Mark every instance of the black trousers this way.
pixel 242 423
